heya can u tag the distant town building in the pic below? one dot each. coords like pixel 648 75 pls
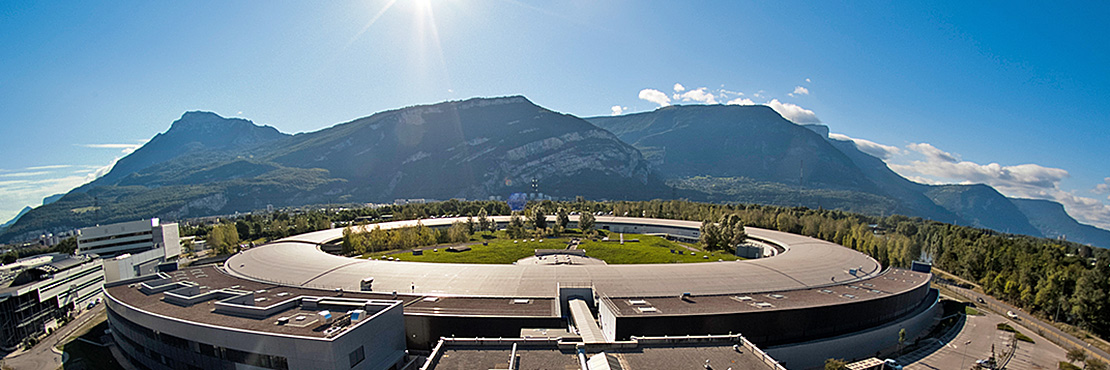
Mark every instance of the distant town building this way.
pixel 130 248
pixel 35 292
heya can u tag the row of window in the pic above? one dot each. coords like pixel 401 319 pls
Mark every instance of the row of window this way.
pixel 118 236
pixel 227 354
pixel 71 278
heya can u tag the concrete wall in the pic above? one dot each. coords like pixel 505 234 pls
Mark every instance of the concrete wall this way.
pixel 857 345
pixel 607 319
pixel 781 326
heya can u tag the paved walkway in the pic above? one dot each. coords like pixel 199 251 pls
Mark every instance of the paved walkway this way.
pixel 43 355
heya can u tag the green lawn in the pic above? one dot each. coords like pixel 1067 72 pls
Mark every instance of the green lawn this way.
pixel 970 311
pixel 650 249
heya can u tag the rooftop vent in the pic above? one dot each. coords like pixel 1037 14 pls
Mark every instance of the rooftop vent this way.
pixel 521 301
pixel 637 302
pixel 849 296
pixel 763 305
pixel 742 298
pixel 431 299
pixel 647 309
pixel 283 320
pixel 776 296
pixel 826 291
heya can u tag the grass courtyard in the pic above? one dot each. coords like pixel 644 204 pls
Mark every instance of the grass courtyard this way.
pixel 502 250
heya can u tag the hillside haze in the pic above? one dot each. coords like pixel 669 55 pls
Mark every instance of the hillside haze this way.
pixel 482 147
pixel 207 165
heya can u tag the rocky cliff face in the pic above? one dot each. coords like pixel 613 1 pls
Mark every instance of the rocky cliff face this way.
pixel 470 149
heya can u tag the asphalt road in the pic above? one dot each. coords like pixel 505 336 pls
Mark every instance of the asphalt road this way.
pixel 1033 323
pixel 42 356
pixel 975 340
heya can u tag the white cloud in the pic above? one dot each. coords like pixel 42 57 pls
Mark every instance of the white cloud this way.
pixel 807 80
pixel 1102 188
pixel 933 153
pixel 124 148
pixel 936 166
pixel 49 167
pixel 877 150
pixel 798 90
pixel 618 110
pixel 701 95
pixel 29 187
pixel 655 96
pixel 679 88
pixel 793 112
pixel 741 101
pixel 24 174
pixel 14 195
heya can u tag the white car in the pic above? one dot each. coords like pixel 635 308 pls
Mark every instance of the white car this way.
pixel 1011 315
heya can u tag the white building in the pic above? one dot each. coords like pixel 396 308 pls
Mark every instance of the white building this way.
pixel 37 291
pixel 130 248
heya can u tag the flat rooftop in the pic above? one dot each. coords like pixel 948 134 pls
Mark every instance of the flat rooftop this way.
pixel 210 278
pixel 893 281
pixel 806 263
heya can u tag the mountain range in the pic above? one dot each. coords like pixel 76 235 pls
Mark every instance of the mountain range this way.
pixel 482 147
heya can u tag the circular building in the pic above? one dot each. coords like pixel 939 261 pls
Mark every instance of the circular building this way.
pixel 288 304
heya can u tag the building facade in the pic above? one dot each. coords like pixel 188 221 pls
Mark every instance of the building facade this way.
pixel 130 248
pixel 199 319
pixel 40 290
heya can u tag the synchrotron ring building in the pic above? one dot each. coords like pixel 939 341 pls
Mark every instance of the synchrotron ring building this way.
pixel 289 305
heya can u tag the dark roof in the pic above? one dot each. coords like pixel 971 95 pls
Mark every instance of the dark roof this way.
pixel 891 282
pixel 210 278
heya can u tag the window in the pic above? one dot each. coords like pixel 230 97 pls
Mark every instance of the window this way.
pixel 357 356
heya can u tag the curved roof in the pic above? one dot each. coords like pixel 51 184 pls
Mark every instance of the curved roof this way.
pixel 806 263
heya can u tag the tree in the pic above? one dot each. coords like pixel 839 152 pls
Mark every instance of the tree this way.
pixel 379 239
pixel 484 223
pixel 10 257
pixel 1089 298
pixel 835 364
pixel 469 225
pixel 1077 355
pixel 901 339
pixel 67 245
pixel 710 235
pixel 538 219
pixel 586 222
pixel 562 218
pixel 732 232
pixel 224 239
pixel 516 226
pixel 1094 364
pixel 458 232
pixel 243 229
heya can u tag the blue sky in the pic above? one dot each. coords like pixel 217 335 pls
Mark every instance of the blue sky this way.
pixel 1011 94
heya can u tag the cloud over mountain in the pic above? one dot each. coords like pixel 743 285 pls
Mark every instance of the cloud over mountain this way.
pixel 877 150
pixel 655 96
pixel 793 112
